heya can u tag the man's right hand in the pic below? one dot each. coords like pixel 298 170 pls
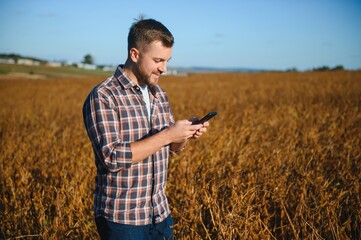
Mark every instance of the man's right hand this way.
pixel 182 130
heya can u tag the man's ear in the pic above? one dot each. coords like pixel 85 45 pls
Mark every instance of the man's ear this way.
pixel 134 54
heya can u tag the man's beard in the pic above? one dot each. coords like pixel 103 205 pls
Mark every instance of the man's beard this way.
pixel 143 77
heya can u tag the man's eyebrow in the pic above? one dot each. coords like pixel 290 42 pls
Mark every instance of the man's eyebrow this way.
pixel 162 59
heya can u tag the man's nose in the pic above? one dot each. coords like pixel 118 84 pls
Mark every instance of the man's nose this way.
pixel 163 67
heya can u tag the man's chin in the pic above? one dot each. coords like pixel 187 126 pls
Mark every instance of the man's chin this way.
pixel 153 81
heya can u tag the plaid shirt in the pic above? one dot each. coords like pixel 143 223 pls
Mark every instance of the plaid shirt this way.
pixel 115 115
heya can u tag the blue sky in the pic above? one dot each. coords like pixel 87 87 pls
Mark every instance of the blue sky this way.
pixel 262 34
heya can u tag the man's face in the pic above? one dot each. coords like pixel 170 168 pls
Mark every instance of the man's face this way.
pixel 152 62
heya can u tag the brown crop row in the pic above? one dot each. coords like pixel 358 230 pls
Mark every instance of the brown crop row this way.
pixel 281 160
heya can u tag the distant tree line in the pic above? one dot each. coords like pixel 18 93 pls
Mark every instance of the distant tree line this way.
pixel 320 69
pixel 16 57
pixel 88 58
pixel 326 68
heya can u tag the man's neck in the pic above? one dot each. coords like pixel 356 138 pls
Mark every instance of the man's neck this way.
pixel 130 71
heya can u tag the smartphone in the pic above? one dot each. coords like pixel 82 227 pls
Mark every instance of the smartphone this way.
pixel 205 118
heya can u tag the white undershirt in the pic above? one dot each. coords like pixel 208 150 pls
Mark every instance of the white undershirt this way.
pixel 145 93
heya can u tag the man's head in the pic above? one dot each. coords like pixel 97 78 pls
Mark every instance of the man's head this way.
pixel 149 49
pixel 146 31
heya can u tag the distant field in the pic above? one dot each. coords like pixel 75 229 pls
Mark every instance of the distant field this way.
pixel 281 160
pixel 9 71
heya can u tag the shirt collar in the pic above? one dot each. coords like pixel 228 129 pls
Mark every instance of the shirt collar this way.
pixel 124 81
pixel 127 83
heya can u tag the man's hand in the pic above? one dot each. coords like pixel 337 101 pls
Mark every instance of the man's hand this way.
pixel 183 130
pixel 200 131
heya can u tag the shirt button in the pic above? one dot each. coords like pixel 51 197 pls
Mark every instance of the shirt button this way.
pixel 137 88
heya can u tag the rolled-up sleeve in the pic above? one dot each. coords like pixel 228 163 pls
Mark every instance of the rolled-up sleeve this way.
pixel 101 120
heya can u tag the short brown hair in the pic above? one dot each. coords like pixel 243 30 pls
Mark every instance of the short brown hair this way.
pixel 145 31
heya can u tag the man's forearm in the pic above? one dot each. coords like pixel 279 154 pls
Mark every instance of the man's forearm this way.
pixel 148 146
pixel 176 135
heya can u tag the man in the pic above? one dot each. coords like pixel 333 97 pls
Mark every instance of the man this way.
pixel 132 130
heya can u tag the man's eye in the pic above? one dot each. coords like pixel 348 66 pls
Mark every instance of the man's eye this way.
pixel 157 60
